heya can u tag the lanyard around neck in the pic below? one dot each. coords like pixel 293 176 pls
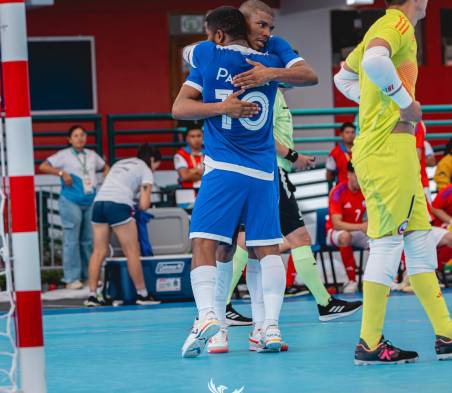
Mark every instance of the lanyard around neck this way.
pixel 82 163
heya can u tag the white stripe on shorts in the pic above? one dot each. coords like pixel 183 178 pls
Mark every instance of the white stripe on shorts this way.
pixel 210 236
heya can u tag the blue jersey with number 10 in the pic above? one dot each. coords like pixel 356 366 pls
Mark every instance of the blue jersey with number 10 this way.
pixel 241 145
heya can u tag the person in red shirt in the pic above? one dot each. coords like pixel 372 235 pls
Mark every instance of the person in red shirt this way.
pixel 421 132
pixel 188 161
pixel 441 210
pixel 340 156
pixel 346 225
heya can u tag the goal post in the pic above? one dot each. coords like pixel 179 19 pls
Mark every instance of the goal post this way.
pixel 22 202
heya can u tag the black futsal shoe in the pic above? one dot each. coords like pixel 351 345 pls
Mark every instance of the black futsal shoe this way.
pixel 385 353
pixel 443 347
pixel 337 308
pixel 93 301
pixel 234 318
pixel 146 300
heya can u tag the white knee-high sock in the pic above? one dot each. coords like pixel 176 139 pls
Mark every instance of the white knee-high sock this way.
pixel 224 277
pixel 273 286
pixel 254 283
pixel 203 286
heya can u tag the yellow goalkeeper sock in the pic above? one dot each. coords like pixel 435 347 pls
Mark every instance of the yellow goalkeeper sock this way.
pixel 238 265
pixel 374 310
pixel 426 288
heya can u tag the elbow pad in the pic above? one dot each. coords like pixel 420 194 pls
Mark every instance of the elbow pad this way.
pixel 380 69
pixel 348 84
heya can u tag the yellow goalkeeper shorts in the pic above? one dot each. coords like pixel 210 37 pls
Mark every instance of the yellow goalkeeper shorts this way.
pixel 391 183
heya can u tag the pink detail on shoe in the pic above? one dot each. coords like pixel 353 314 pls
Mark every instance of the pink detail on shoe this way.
pixel 218 350
pixel 386 354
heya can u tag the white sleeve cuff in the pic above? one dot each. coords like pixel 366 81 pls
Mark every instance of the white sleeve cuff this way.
pixel 194 85
pixel 293 61
pixel 347 83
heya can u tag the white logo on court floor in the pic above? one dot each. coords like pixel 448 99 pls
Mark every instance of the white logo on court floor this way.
pixel 222 388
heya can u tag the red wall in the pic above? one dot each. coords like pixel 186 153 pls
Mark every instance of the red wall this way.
pixel 132 47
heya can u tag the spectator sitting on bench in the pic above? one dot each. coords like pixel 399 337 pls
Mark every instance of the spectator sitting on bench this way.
pixel 442 220
pixel 340 156
pixel 188 159
pixel 345 226
pixel 113 211
pixel 443 173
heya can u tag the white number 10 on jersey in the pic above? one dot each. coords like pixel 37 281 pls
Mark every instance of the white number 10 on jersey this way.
pixel 253 96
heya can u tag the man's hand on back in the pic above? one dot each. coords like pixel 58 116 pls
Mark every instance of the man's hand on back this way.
pixel 257 76
pixel 236 108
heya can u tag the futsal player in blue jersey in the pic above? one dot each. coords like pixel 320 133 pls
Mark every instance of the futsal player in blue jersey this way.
pixel 238 184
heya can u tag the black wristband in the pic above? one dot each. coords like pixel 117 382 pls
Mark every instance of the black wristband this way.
pixel 291 156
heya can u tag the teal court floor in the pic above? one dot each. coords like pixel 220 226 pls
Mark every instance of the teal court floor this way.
pixel 137 350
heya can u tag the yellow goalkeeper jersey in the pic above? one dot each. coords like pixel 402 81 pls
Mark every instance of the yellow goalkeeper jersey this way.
pixel 378 114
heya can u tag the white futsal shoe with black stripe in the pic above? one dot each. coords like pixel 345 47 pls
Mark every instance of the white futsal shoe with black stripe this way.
pixel 201 333
pixel 337 308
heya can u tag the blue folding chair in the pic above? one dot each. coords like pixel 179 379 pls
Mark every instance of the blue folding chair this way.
pixel 320 247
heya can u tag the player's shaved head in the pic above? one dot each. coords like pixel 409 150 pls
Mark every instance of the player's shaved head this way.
pixel 250 6
pixel 229 20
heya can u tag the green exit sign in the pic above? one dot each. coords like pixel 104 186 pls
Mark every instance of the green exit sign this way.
pixel 192 24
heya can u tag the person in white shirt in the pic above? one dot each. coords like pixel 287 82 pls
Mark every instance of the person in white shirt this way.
pixel 128 180
pixel 77 167
pixel 430 158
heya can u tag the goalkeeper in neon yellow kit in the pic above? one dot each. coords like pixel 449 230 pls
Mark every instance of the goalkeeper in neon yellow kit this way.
pixel 380 74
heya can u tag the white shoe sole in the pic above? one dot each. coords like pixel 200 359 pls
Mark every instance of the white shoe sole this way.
pixel 255 348
pixel 88 303
pixel 199 343
pixel 326 318
pixel 446 356
pixel 147 303
pixel 273 346
pixel 377 363
pixel 231 322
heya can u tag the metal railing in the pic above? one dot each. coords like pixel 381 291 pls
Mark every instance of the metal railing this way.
pixel 46 140
pixel 49 226
pixel 133 137
pixel 297 113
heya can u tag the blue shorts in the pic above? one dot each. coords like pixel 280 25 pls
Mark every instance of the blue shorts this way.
pixel 227 199
pixel 111 213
